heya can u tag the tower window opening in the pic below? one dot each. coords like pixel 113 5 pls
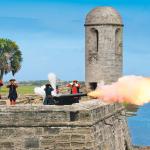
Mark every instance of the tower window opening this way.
pixel 93 85
pixel 118 42
pixel 95 39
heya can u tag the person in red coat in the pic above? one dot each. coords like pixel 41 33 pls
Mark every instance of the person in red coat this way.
pixel 1 84
pixel 74 87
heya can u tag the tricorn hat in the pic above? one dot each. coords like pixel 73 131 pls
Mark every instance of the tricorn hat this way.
pixel 12 80
pixel 48 84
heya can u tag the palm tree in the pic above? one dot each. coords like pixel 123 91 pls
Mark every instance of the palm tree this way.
pixel 10 57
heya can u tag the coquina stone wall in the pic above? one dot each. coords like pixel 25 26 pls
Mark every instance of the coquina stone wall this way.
pixel 103 45
pixel 90 125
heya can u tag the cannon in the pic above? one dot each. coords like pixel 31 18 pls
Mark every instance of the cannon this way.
pixel 68 99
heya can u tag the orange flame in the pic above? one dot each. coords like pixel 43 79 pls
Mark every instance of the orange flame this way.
pixel 130 89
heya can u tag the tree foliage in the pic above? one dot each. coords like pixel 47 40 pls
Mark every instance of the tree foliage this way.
pixel 10 57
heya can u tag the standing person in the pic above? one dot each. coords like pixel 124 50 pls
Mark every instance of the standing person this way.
pixel 48 92
pixel 74 87
pixel 1 84
pixel 57 89
pixel 12 91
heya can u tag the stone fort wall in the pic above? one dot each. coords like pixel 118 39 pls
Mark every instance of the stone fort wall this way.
pixel 90 125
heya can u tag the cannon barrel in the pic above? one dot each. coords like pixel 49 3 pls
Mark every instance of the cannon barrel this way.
pixel 71 95
pixel 68 99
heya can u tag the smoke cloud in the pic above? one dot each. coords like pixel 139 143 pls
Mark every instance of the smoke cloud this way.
pixel 128 89
pixel 52 80
pixel 40 91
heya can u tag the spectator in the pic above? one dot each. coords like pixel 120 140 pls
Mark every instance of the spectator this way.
pixel 12 91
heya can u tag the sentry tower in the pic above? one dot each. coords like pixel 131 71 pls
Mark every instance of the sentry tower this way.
pixel 103 46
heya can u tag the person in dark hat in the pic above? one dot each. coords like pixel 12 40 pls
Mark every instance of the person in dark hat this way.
pixel 48 95
pixel 74 87
pixel 12 91
pixel 1 84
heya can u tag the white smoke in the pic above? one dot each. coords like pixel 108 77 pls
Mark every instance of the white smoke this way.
pixel 52 79
pixel 40 90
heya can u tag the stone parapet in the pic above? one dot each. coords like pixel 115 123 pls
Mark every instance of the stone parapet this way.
pixel 90 125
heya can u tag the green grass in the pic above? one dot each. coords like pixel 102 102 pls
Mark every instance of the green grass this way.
pixel 22 89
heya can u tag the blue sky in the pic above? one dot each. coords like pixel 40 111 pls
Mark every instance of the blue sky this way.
pixel 50 34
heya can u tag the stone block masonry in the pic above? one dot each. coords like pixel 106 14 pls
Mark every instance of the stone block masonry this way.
pixel 90 125
pixel 103 46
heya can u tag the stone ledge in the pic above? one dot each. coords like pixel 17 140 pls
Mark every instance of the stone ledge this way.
pixel 81 114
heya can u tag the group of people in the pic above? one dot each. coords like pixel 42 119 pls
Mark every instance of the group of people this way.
pixel 12 91
pixel 74 89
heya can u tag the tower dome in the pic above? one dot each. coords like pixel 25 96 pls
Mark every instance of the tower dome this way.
pixel 103 15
